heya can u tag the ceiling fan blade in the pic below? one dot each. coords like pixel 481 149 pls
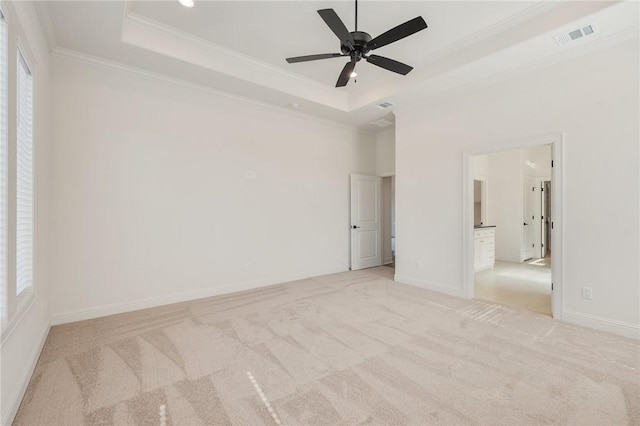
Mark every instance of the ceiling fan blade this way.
pixel 314 57
pixel 398 33
pixel 345 75
pixel 389 64
pixel 331 18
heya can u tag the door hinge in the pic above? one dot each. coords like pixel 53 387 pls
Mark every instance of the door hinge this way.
pixel 533 245
pixel 541 217
pixel 551 163
pixel 551 286
pixel 551 224
pixel 533 189
pixel 542 189
pixel 541 245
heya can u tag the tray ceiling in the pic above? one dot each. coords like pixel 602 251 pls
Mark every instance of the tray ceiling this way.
pixel 239 47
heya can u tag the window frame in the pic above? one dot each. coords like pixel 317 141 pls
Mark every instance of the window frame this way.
pixel 4 171
pixel 23 57
pixel 16 308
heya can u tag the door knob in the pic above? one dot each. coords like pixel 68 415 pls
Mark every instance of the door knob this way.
pixel 526 224
pixel 354 227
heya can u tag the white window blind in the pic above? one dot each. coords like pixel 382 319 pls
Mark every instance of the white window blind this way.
pixel 3 165
pixel 24 179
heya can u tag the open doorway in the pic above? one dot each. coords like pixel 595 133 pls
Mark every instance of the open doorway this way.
pixel 509 215
pixel 388 220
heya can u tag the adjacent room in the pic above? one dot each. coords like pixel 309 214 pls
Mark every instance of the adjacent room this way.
pixel 319 212
pixel 512 227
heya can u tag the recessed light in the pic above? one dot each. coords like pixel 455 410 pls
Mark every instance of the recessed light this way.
pixel 187 3
pixel 354 74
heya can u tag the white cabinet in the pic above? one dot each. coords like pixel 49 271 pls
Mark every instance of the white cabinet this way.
pixel 484 248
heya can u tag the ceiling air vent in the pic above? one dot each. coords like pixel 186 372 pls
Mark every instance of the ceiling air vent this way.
pixel 383 122
pixel 385 105
pixel 565 38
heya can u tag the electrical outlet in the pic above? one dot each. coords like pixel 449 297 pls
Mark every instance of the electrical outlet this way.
pixel 587 293
pixel 419 264
pixel 250 174
pixel 248 265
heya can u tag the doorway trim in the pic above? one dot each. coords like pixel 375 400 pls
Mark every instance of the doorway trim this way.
pixel 557 214
pixel 540 206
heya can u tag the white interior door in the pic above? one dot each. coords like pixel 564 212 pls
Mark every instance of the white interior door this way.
pixel 366 221
pixel 528 216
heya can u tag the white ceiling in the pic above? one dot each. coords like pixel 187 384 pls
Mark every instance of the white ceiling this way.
pixel 272 31
pixel 240 47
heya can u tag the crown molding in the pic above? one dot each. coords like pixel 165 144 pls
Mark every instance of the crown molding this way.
pixel 464 51
pixel 69 54
pixel 46 23
pixel 154 36
pixel 523 69
pixel 134 16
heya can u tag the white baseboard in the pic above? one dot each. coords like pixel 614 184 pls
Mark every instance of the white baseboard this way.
pixel 119 308
pixel 440 288
pixel 387 260
pixel 18 393
pixel 620 328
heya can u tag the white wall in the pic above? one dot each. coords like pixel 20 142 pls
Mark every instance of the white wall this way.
pixel 598 112
pixel 386 153
pixel 151 201
pixel 504 208
pixel 481 165
pixel 28 319
pixel 540 156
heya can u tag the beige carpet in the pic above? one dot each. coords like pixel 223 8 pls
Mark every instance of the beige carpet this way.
pixel 350 348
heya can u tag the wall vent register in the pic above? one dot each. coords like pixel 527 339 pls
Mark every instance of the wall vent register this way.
pixel 385 105
pixel 576 34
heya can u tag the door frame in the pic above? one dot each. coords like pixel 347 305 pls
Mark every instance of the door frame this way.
pixel 556 140
pixel 540 207
pixel 524 249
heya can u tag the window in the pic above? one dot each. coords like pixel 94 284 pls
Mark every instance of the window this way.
pixel 3 165
pixel 24 178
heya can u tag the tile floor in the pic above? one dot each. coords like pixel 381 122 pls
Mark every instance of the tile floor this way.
pixel 526 285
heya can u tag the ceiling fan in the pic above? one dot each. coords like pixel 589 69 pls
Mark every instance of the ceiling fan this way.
pixel 358 44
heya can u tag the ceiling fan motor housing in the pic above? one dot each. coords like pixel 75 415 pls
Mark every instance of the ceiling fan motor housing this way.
pixel 357 45
pixel 360 39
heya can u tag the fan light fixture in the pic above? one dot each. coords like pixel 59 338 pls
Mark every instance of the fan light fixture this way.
pixel 354 74
pixel 187 3
pixel 357 44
